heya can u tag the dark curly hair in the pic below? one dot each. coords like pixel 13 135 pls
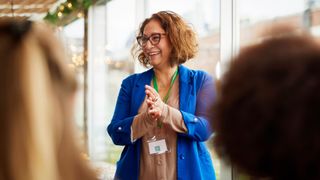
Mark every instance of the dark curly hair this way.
pixel 181 36
pixel 267 115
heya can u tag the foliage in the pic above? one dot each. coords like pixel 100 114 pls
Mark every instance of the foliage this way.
pixel 68 11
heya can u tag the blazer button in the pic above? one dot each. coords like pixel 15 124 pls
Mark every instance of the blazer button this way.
pixel 182 156
pixel 195 119
pixel 119 128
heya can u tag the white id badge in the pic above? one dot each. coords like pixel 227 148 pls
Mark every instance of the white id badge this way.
pixel 158 147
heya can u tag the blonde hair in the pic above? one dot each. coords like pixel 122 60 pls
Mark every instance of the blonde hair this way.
pixel 36 129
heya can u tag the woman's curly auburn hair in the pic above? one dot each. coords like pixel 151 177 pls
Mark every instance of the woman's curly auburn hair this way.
pixel 181 36
pixel 267 115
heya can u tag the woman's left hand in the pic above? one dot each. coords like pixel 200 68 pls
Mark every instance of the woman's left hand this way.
pixel 154 102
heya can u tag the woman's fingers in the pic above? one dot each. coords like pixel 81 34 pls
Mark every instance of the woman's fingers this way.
pixel 153 102
pixel 152 92
pixel 149 102
pixel 154 111
pixel 151 89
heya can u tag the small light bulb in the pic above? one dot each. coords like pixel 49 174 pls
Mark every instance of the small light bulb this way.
pixel 79 15
pixel 61 8
pixel 59 14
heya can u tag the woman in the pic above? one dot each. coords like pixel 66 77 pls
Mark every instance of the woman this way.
pixel 36 99
pixel 160 115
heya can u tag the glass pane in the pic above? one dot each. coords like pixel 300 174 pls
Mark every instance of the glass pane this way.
pixel 72 36
pixel 110 41
pixel 204 16
pixel 256 16
pixel 312 16
pixel 112 36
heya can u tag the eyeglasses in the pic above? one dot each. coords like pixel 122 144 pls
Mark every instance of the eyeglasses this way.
pixel 153 38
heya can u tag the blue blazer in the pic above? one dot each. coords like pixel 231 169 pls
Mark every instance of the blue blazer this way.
pixel 196 91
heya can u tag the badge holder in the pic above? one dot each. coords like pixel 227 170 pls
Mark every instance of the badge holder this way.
pixel 157 146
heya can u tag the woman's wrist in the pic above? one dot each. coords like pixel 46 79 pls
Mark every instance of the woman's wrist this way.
pixel 164 112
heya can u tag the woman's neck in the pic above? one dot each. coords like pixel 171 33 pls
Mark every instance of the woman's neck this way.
pixel 164 75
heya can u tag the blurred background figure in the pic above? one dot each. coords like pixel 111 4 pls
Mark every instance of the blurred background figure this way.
pixel 266 118
pixel 36 107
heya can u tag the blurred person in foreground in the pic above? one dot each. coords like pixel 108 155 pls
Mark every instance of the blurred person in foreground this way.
pixel 36 107
pixel 267 117
pixel 161 114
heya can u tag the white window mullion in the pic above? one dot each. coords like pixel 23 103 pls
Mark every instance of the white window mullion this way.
pixel 229 47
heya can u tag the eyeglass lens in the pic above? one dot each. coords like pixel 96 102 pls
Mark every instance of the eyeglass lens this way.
pixel 153 38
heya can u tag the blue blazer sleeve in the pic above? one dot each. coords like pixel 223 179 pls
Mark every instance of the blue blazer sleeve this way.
pixel 120 127
pixel 197 115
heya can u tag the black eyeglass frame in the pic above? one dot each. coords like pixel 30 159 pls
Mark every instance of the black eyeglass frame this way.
pixel 143 40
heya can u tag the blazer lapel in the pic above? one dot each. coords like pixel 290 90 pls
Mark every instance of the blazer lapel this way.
pixel 185 87
pixel 139 90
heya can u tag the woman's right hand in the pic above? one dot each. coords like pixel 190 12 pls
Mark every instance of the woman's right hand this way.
pixel 154 102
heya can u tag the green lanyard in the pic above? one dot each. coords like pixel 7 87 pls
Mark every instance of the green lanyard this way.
pixel 166 97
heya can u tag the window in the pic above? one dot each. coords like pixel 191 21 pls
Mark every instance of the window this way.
pixel 111 35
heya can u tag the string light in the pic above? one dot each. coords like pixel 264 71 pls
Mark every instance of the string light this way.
pixel 59 14
pixel 72 9
pixel 69 5
pixel 61 8
pixel 77 60
pixel 80 15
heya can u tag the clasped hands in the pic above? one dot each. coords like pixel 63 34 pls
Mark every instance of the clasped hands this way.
pixel 154 103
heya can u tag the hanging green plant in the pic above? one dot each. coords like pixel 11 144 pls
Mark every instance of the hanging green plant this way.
pixel 68 11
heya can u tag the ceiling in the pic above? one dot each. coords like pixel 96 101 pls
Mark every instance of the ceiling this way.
pixel 32 9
